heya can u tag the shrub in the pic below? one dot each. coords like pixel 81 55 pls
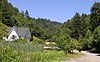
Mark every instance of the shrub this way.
pixel 21 40
pixel 9 55
pixel 96 39
pixel 27 52
pixel 64 41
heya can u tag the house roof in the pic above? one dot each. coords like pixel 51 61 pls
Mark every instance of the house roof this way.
pixel 20 31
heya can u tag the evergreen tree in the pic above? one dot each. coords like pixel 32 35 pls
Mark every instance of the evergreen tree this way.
pixel 77 26
pixel 95 16
pixel 27 14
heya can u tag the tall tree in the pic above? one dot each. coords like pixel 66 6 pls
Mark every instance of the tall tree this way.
pixel 6 14
pixel 77 26
pixel 27 14
pixel 64 41
pixel 95 16
pixel 96 39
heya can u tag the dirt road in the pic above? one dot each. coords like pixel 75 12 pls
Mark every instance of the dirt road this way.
pixel 88 57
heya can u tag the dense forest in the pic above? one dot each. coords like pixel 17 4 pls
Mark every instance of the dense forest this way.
pixel 85 28
pixel 79 32
pixel 42 28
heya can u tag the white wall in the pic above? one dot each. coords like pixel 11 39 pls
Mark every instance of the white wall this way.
pixel 11 34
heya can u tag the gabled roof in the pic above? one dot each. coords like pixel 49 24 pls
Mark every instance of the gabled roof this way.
pixel 20 31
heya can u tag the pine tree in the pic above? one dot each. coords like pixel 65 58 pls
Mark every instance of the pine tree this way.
pixel 27 14
pixel 76 26
pixel 95 16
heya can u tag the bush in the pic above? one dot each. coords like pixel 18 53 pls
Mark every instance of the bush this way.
pixel 96 39
pixel 37 40
pixel 65 42
pixel 21 40
pixel 9 55
pixel 27 52
pixel 86 41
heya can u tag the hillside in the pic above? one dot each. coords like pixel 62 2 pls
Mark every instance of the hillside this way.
pixel 2 30
pixel 11 16
pixel 80 32
pixel 86 28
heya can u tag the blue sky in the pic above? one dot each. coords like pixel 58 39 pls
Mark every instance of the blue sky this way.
pixel 55 10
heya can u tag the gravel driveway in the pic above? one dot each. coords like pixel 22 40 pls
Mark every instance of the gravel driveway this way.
pixel 88 57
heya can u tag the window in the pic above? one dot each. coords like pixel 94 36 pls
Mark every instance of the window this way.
pixel 13 37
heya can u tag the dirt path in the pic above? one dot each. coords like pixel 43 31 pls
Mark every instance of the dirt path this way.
pixel 88 57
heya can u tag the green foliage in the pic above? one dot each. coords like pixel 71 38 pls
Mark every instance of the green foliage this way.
pixel 42 28
pixel 77 28
pixel 27 52
pixel 73 34
pixel 9 55
pixel 74 44
pixel 78 25
pixel 96 39
pixel 64 41
pixel 48 56
pixel 21 40
pixel 3 32
pixel 85 42
pixel 95 16
pixel 37 40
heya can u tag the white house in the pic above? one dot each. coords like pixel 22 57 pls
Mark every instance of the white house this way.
pixel 15 33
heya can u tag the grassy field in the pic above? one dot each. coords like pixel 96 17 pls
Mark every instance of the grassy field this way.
pixel 29 52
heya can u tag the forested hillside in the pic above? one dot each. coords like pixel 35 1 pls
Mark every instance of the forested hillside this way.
pixel 86 28
pixel 79 32
pixel 11 16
